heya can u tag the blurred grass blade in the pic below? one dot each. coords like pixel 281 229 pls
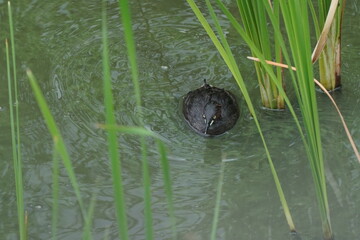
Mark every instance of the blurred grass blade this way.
pixel 90 215
pixel 19 188
pixel 125 13
pixel 147 190
pixel 15 128
pixel 163 162
pixel 218 202
pixel 17 117
pixel 130 44
pixel 57 138
pixel 141 131
pixel 167 184
pixel 55 194
pixel 111 137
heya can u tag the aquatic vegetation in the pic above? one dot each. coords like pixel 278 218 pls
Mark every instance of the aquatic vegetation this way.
pixel 295 17
pixel 60 151
pixel 149 140
pixel 330 57
pixel 112 136
pixel 254 20
pixel 224 50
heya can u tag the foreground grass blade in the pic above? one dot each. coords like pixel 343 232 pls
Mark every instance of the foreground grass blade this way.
pixel 17 117
pixel 140 131
pixel 57 138
pixel 12 40
pixel 112 138
pixel 130 44
pixel 90 215
pixel 231 63
pixel 19 188
pixel 164 163
pixel 147 190
pixel 55 194
pixel 15 128
pixel 167 183
pixel 218 202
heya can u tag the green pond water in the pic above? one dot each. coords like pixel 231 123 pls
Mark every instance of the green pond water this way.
pixel 61 42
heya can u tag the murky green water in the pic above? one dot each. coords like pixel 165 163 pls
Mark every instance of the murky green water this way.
pixel 60 41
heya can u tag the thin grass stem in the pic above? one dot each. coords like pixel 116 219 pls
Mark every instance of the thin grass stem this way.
pixel 90 215
pixel 17 117
pixel 118 186
pixel 167 185
pixel 217 202
pixel 19 188
pixel 15 127
pixel 55 194
pixel 131 50
pixel 57 138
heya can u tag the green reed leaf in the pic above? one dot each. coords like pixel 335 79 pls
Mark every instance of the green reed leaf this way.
pixel 114 155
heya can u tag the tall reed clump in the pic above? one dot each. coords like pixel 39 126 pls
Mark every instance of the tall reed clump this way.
pixel 295 17
pixel 330 58
pixel 224 50
pixel 254 20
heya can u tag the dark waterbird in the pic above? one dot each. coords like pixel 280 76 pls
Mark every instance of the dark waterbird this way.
pixel 210 110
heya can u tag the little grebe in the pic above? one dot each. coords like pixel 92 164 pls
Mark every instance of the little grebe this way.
pixel 210 110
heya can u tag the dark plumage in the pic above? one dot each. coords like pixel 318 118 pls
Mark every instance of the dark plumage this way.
pixel 210 110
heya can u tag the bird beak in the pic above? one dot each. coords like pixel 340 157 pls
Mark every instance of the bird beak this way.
pixel 208 125
pixel 206 129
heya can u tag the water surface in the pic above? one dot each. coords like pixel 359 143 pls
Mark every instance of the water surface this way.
pixel 61 42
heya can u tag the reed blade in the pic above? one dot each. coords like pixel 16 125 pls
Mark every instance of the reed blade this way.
pixel 15 126
pixel 217 202
pixel 112 140
pixel 57 137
